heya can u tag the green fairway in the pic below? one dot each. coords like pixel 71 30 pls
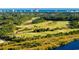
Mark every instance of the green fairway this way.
pixel 37 31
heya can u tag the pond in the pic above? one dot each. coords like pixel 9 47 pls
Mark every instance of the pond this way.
pixel 71 46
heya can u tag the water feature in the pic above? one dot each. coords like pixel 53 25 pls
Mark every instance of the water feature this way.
pixel 71 46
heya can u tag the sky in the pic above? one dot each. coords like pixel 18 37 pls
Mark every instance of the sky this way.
pixel 39 3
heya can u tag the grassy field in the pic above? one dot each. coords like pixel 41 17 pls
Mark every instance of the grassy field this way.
pixel 35 34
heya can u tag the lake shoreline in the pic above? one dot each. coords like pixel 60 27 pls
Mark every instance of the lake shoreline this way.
pixel 70 46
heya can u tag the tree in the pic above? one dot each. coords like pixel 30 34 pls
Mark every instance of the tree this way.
pixel 74 24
